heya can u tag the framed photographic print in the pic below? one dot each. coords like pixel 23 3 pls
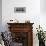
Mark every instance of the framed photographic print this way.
pixel 19 9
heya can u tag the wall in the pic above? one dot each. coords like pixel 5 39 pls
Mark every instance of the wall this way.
pixel 0 15
pixel 32 10
pixel 33 13
pixel 43 6
pixel 43 14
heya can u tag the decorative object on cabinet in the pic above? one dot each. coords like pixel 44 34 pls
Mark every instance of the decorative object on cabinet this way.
pixel 13 21
pixel 27 21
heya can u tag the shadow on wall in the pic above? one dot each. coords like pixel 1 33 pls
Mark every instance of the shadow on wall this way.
pixel 43 6
pixel 0 15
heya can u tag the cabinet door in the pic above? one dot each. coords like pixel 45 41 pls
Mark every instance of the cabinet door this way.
pixel 20 37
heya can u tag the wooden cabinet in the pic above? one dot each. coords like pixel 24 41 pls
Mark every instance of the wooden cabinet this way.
pixel 22 33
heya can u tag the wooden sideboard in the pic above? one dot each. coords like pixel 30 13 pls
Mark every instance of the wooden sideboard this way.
pixel 22 33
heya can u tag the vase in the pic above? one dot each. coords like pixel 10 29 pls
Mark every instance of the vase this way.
pixel 41 43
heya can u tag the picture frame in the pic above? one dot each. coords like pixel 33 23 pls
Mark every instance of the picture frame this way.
pixel 19 9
